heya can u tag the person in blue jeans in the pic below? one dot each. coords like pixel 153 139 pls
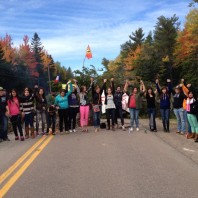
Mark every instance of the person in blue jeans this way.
pixel 178 98
pixel 164 104
pixel 135 105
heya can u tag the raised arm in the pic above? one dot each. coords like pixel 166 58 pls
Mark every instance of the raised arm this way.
pixel 69 83
pixel 112 86
pixel 126 86
pixel 104 87
pixel 170 86
pixel 92 86
pixel 157 86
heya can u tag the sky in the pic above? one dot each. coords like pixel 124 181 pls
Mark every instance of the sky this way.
pixel 67 27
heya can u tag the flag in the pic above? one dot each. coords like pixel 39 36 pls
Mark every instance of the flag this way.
pixel 88 52
pixel 57 79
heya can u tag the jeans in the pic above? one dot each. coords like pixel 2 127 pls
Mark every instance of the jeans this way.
pixel 152 116
pixel 84 115
pixel 110 113
pixel 3 127
pixel 165 114
pixel 29 119
pixel 72 117
pixel 134 115
pixel 16 123
pixel 63 117
pixel 96 118
pixel 181 124
pixel 193 123
pixel 186 121
pixel 119 114
pixel 40 115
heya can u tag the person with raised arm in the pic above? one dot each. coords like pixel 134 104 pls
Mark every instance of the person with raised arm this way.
pixel 96 103
pixel 84 107
pixel 118 103
pixel 151 107
pixel 192 113
pixel 185 89
pixel 164 104
pixel 110 103
pixel 73 106
pixel 135 105
pixel 178 99
pixel 61 101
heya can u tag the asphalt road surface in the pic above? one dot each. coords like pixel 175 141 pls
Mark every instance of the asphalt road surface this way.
pixel 106 164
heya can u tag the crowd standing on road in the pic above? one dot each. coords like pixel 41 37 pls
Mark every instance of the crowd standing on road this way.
pixel 34 105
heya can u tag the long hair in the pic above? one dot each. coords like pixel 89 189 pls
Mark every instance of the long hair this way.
pixel 167 93
pixel 43 92
pixel 152 92
pixel 11 96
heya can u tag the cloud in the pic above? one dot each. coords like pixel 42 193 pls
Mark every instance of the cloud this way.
pixel 66 27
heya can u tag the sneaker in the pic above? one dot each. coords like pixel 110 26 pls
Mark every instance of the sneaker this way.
pixel 137 129
pixel 53 133
pixel 123 128
pixel 70 131
pixel 67 132
pixel 61 133
pixel 74 130
pixel 130 129
pixel 37 133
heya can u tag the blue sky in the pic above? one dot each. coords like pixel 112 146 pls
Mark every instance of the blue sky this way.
pixel 66 27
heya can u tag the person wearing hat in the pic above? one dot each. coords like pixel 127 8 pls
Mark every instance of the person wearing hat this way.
pixel 3 116
pixel 178 99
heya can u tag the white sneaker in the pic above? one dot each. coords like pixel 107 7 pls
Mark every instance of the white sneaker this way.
pixel 70 131
pixel 123 128
pixel 131 129
pixel 74 130
pixel 137 129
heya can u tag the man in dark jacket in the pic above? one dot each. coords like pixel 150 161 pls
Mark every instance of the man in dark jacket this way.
pixel 3 116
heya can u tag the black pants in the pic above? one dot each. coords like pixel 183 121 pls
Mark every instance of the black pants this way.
pixel 51 122
pixel 110 113
pixel 63 117
pixel 72 117
pixel 3 127
pixel 16 123
pixel 119 114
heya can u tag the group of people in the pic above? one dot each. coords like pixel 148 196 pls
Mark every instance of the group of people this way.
pixel 34 105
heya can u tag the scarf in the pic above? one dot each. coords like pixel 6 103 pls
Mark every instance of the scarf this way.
pixel 189 101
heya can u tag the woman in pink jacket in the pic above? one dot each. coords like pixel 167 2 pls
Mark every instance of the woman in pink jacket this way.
pixel 15 115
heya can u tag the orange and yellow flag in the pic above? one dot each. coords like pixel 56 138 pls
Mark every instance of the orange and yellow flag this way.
pixel 88 52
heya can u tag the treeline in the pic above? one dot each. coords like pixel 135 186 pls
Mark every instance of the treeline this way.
pixel 28 64
pixel 167 52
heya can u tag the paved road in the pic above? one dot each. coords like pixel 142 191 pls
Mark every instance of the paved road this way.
pixel 105 165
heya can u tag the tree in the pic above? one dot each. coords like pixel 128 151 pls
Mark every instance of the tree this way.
pixel 186 51
pixel 36 47
pixel 165 35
